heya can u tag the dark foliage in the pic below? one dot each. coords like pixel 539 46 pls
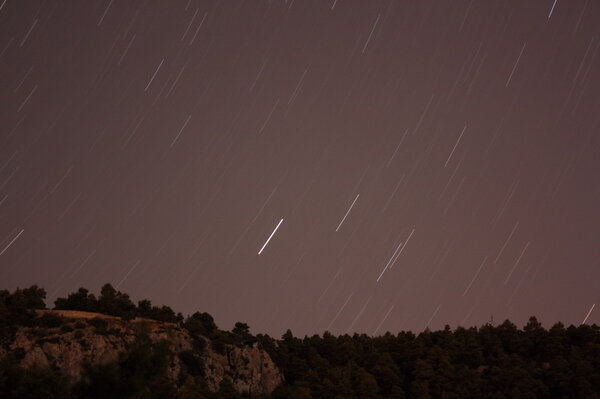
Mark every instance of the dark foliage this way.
pixel 492 362
pixel 489 362
pixel 203 325
pixel 139 372
pixel 242 333
pixel 116 303
pixel 19 383
pixel 18 309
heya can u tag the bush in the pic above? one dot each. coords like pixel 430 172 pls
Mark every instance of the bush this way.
pixel 116 303
pixel 51 320
pixel 99 324
pixel 193 363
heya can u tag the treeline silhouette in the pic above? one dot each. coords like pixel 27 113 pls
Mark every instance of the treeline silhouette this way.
pixel 493 362
pixel 116 303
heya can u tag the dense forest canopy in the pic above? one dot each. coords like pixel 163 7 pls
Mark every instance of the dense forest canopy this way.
pixel 496 362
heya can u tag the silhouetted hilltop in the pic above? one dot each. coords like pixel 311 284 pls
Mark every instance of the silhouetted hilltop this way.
pixel 126 351
pixel 107 346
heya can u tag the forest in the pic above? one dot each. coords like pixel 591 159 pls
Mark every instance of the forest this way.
pixel 491 361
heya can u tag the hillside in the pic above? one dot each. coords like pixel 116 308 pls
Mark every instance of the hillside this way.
pixel 76 353
pixel 74 338
pixel 108 347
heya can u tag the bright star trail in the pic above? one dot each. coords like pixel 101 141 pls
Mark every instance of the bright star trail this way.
pixel 271 236
pixel 435 162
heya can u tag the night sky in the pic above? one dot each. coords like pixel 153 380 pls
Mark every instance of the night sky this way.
pixel 351 166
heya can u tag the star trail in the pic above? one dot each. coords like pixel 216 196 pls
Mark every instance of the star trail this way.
pixel 351 166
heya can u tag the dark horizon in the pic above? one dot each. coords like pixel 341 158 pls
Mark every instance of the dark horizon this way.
pixel 62 304
pixel 414 164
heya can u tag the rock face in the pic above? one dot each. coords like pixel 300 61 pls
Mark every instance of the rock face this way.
pixel 250 369
pixel 95 338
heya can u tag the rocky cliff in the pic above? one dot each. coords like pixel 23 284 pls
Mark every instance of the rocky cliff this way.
pixel 93 338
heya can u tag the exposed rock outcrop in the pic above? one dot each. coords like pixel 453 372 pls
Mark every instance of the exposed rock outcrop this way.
pixel 96 339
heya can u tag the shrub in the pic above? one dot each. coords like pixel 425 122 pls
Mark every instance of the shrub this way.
pixel 99 324
pixel 51 320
